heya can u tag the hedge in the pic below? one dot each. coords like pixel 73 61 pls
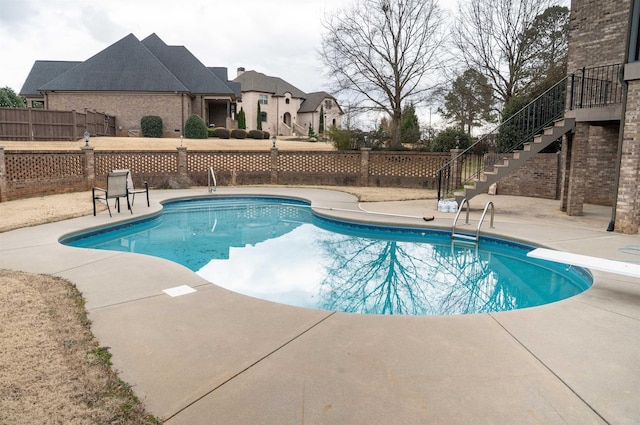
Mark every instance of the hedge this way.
pixel 151 126
pixel 238 133
pixel 221 132
pixel 256 134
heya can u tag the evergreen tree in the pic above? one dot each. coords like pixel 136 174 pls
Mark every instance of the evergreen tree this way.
pixel 321 123
pixel 242 119
pixel 259 124
pixel 469 102
pixel 410 128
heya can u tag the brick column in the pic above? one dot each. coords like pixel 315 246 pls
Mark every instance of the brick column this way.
pixel 456 168
pixel 89 166
pixel 364 166
pixel 627 208
pixel 274 165
pixel 3 177
pixel 183 175
pixel 578 169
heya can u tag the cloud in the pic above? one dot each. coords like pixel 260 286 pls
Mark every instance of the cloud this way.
pixel 100 26
pixel 17 14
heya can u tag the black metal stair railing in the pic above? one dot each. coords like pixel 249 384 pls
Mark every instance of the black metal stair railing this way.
pixel 587 88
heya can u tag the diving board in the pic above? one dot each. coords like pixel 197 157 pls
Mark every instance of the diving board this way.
pixel 585 261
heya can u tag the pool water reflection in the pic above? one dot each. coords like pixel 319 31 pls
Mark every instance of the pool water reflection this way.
pixel 278 250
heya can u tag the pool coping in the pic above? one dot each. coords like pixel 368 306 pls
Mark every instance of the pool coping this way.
pixel 215 354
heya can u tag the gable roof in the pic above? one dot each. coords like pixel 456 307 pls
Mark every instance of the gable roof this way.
pixel 313 101
pixel 186 67
pixel 223 74
pixel 126 65
pixel 42 72
pixel 258 82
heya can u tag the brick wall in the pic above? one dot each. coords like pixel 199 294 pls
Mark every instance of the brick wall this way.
pixel 597 32
pixel 537 178
pixel 129 108
pixel 601 164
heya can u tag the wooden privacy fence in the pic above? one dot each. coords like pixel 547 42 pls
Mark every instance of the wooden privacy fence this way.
pixel 25 174
pixel 46 124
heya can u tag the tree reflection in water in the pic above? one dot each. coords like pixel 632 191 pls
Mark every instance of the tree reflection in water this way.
pixel 390 277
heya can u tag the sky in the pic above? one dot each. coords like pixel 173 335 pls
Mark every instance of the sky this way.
pixel 280 38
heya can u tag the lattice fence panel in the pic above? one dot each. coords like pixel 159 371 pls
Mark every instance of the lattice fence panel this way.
pixel 136 162
pixel 228 161
pixel 405 164
pixel 319 162
pixel 43 166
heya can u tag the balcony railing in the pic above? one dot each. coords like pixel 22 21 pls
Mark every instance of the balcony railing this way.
pixel 596 87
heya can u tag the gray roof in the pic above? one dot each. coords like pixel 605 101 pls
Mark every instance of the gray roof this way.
pixel 313 101
pixel 42 72
pixel 126 65
pixel 258 82
pixel 223 74
pixel 186 67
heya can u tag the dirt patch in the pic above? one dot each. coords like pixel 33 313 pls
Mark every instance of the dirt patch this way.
pixel 52 368
pixel 45 209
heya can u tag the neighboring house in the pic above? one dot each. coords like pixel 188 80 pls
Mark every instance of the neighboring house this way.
pixel 133 78
pixel 285 109
pixel 602 164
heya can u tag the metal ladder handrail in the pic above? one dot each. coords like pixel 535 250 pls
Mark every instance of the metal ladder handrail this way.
pixel 211 176
pixel 455 220
pixel 484 213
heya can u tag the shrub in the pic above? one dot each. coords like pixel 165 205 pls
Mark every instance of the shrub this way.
pixel 341 138
pixel 446 140
pixel 195 128
pixel 242 119
pixel 151 126
pixel 238 133
pixel 266 135
pixel 211 131
pixel 256 134
pixel 221 132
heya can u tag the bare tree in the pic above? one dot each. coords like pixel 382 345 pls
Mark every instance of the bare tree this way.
pixel 384 50
pixel 496 37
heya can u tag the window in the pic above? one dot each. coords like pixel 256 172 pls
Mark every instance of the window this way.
pixel 287 100
pixel 328 104
pixel 263 99
pixel 263 116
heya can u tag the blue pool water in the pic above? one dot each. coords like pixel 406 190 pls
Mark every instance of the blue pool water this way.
pixel 279 250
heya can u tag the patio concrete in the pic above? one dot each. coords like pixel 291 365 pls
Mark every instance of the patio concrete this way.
pixel 218 357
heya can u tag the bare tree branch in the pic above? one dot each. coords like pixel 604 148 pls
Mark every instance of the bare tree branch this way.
pixel 385 51
pixel 495 38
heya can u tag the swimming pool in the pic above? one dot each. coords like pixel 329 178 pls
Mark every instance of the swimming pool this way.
pixel 278 249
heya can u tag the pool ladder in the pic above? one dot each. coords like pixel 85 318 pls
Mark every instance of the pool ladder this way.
pixel 464 236
pixel 211 178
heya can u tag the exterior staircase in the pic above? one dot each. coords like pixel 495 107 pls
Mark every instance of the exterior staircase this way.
pixel 507 147
pixel 513 160
pixel 528 131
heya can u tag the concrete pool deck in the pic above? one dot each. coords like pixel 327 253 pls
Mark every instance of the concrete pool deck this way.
pixel 214 356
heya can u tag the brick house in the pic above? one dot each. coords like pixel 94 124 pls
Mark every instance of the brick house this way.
pixel 285 110
pixel 133 78
pixel 602 160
